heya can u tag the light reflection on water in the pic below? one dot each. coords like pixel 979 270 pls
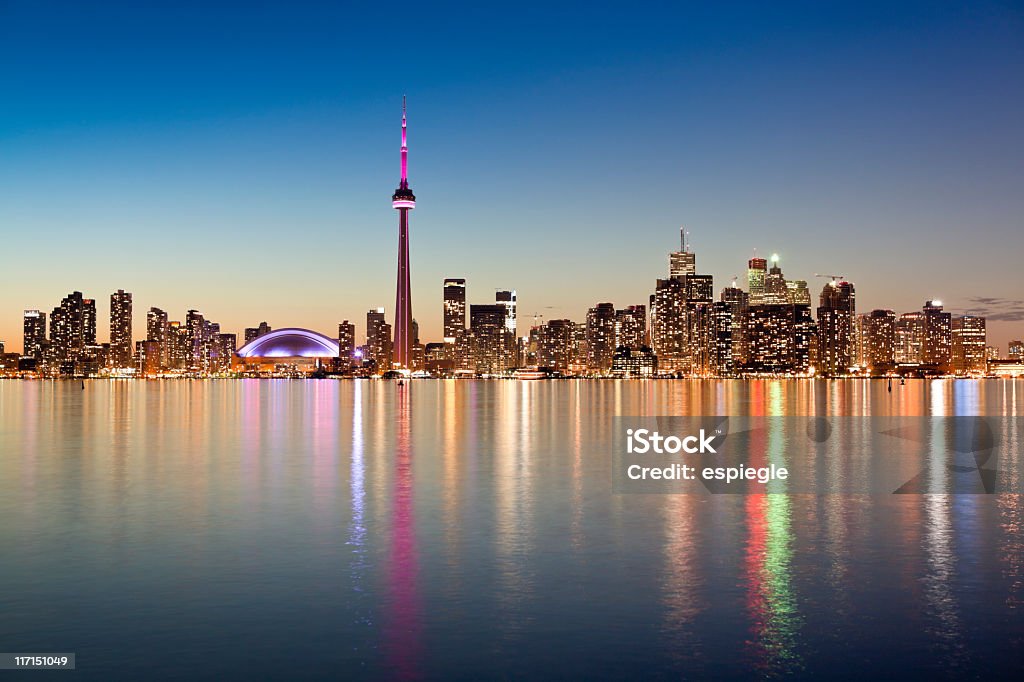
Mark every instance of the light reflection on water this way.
pixel 468 529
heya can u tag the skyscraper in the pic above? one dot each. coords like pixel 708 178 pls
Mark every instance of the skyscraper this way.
pixel 507 298
pixel 776 289
pixel 684 261
pixel 158 333
pixel 195 330
pixel 910 338
pixel 378 340
pixel 631 327
pixel 403 200
pixel 938 343
pixel 668 324
pixel 72 327
pixel 88 322
pixel 757 270
pixel 121 329
pixel 346 344
pixel 492 344
pixel 34 334
pixel 600 337
pixel 454 308
pixel 836 328
pixel 878 341
pixel 968 350
pixel 737 300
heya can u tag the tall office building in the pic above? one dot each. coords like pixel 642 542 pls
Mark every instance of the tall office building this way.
pixel 34 334
pixel 684 261
pixel 938 342
pixel 797 292
pixel 223 346
pixel 778 331
pixel 1014 351
pixel 554 344
pixel 507 298
pixel 454 308
pixel 878 341
pixel 403 200
pixel 668 324
pixel 836 328
pixel 198 350
pixel 737 301
pixel 910 338
pixel 968 344
pixel 121 329
pixel 378 340
pixel 180 341
pixel 757 271
pixel 88 322
pixel 157 333
pixel 72 328
pixel 631 327
pixel 720 338
pixel 770 332
pixel 776 290
pixel 600 337
pixel 492 345
pixel 346 343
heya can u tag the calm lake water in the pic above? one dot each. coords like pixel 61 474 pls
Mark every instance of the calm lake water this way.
pixel 238 530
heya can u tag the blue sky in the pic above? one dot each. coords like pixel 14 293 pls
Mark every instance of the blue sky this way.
pixel 240 159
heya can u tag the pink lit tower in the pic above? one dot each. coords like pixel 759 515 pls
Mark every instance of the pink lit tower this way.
pixel 404 201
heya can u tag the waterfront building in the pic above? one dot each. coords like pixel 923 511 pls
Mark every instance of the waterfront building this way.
pixel 34 334
pixel 836 328
pixel 378 340
pixel 668 324
pixel 492 345
pixel 757 271
pixel 737 301
pixel 507 298
pixel 600 337
pixel 454 308
pixel 910 338
pixel 878 341
pixel 631 327
pixel 938 342
pixel 346 345
pixel 631 363
pixel 968 344
pixel 120 329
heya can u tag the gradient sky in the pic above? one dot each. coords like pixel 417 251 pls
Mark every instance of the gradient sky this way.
pixel 240 160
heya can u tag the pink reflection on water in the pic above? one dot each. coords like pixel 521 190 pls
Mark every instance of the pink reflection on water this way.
pixel 402 635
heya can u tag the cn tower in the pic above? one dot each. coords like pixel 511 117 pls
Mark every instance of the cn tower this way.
pixel 403 201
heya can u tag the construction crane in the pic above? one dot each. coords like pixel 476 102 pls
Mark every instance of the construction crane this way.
pixel 541 315
pixel 834 277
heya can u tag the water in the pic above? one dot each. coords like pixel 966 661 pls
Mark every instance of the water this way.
pixel 467 530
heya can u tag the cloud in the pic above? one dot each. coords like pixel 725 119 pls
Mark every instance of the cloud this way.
pixel 995 308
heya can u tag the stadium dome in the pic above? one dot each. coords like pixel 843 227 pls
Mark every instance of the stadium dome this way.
pixel 290 343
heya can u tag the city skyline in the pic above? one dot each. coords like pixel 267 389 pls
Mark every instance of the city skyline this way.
pixel 102 333
pixel 257 196
pixel 768 328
